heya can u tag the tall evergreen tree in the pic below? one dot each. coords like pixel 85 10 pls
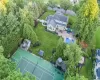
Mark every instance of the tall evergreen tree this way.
pixel 59 49
pixel 87 20
pixel 28 33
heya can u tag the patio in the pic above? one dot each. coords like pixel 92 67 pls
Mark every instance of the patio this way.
pixel 65 35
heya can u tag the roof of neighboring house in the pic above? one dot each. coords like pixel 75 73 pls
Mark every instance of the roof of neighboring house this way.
pixel 98 73
pixel 97 61
pixel 98 52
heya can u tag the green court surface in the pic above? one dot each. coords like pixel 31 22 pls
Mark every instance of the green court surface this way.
pixel 42 69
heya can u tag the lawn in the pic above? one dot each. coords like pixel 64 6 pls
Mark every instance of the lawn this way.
pixel 48 40
pixel 46 14
pixel 97 36
pixel 87 69
pixel 57 1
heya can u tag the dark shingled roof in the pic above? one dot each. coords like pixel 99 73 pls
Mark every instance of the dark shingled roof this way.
pixel 98 73
pixel 98 52
pixel 60 17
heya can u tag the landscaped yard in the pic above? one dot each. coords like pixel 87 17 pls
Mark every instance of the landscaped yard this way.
pixel 98 38
pixel 46 14
pixel 48 40
pixel 87 69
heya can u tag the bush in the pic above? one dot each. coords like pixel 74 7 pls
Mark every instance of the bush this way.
pixel 36 44
pixel 72 21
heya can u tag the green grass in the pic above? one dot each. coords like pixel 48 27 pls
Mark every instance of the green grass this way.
pixel 97 36
pixel 87 69
pixel 48 40
pixel 57 1
pixel 46 14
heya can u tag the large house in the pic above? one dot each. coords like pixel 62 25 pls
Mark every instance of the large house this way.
pixel 58 21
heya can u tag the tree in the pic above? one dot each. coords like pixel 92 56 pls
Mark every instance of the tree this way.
pixel 51 3
pixel 33 7
pixel 28 33
pixel 87 20
pixel 6 66
pixel 65 4
pixel 77 77
pixel 10 43
pixel 13 17
pixel 16 75
pixel 2 6
pixel 8 70
pixel 59 49
pixel 72 54
pixel 1 50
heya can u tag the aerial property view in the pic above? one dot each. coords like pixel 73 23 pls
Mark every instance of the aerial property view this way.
pixel 49 40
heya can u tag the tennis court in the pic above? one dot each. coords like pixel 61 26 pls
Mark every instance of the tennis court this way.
pixel 42 69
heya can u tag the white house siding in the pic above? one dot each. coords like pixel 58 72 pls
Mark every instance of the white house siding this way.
pixel 60 27
pixel 61 22
pixel 51 28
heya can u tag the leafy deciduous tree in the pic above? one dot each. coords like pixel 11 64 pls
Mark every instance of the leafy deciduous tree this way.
pixel 72 54
pixel 65 4
pixel 59 49
pixel 29 33
pixel 77 77
pixel 87 20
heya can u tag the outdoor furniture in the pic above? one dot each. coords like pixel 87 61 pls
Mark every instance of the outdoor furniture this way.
pixel 41 53
pixel 37 44
pixel 69 30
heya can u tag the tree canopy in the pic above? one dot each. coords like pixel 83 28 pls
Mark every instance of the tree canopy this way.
pixel 65 4
pixel 59 49
pixel 8 70
pixel 77 77
pixel 28 33
pixel 72 56
pixel 87 20
pixel 15 15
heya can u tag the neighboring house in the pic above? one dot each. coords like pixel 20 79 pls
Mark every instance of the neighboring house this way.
pixel 58 21
pixel 97 65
